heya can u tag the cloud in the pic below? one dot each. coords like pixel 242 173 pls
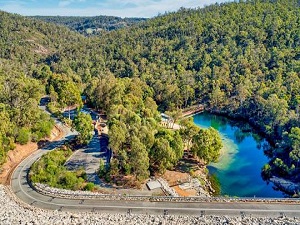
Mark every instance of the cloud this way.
pixel 64 3
pixel 122 8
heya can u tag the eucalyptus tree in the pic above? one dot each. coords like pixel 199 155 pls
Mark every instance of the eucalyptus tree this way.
pixel 207 145
pixel 83 123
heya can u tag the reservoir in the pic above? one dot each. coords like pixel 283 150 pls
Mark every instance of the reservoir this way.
pixel 239 167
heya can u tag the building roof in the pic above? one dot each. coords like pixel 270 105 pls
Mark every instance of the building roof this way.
pixel 165 116
pixel 153 185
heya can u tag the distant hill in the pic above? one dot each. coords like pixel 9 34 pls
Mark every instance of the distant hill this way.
pixel 27 40
pixel 91 25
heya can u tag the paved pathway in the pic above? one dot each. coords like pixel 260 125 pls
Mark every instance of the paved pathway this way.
pixel 89 157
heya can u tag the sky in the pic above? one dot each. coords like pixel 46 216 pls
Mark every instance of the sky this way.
pixel 121 8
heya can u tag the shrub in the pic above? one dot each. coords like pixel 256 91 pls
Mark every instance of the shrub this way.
pixel 50 170
pixel 102 168
pixel 23 136
pixel 89 186
pixel 42 129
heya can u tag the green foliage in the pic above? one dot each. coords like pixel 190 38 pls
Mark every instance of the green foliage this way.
pixel 188 130
pixel 63 91
pixel 42 128
pixel 52 107
pixel 280 166
pixel 207 145
pixel 83 124
pixel 49 169
pixel 23 136
pixel 266 171
pixel 132 123
pixel 91 25
pixel 2 151
pixel 102 168
pixel 138 142
pixel 140 163
pixel 240 59
pixel 166 151
pixel 21 120
pixel 89 186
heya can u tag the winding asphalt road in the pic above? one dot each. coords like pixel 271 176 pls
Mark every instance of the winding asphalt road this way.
pixel 24 192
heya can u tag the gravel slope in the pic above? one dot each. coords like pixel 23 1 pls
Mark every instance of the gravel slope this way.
pixel 14 212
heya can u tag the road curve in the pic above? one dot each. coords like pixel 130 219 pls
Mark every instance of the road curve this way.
pixel 24 192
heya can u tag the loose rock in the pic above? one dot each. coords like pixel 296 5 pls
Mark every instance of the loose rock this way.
pixel 13 211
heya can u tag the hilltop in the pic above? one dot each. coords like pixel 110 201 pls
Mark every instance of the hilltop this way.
pixel 91 25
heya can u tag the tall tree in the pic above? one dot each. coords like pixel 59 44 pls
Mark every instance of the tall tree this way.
pixel 83 123
pixel 188 130
pixel 207 145
pixel 140 160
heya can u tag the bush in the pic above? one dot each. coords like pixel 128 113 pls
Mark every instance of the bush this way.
pixel 43 128
pixel 68 180
pixel 89 186
pixel 2 156
pixel 67 121
pixel 52 108
pixel 50 170
pixel 23 136
pixel 102 168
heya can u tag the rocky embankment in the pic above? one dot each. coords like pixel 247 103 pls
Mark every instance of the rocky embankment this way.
pixel 14 212
pixel 68 194
pixel 286 185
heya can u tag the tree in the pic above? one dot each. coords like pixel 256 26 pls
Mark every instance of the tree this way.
pixel 161 155
pixel 176 144
pixel 166 150
pixel 117 135
pixel 188 130
pixel 294 139
pixel 23 136
pixel 43 73
pixel 83 123
pixel 140 160
pixel 175 116
pixel 280 167
pixel 207 145
pixel 266 171
pixel 63 89
pixel 70 95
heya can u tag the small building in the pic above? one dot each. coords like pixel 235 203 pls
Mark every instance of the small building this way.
pixel 153 185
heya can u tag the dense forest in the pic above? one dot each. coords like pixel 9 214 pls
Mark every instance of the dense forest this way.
pixel 91 25
pixel 238 59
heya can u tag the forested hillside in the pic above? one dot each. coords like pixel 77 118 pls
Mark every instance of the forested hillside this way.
pixel 91 25
pixel 239 59
pixel 26 45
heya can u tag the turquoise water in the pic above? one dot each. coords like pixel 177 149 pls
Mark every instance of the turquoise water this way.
pixel 241 160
